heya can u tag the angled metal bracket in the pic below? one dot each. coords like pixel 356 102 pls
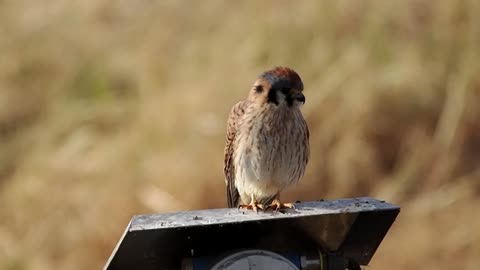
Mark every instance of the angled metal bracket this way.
pixel 351 229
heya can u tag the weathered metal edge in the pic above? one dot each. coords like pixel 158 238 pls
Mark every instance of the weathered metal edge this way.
pixel 232 215
pixel 117 246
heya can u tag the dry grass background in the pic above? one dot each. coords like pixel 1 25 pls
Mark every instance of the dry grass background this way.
pixel 114 108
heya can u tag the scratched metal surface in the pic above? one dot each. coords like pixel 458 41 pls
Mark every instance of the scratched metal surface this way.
pixel 231 215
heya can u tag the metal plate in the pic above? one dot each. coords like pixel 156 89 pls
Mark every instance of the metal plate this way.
pixel 353 227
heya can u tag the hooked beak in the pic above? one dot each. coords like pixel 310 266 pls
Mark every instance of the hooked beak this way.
pixel 299 97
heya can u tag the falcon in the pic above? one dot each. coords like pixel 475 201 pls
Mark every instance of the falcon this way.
pixel 267 142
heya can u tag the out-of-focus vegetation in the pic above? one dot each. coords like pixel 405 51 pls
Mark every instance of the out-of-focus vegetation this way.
pixel 115 108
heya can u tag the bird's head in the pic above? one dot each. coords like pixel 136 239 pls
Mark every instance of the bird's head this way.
pixel 280 86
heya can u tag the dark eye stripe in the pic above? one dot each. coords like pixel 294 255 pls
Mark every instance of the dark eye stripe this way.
pixel 272 96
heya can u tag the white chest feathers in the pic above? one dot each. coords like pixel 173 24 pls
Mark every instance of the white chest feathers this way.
pixel 271 152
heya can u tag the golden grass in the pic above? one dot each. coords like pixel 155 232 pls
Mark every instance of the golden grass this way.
pixel 110 109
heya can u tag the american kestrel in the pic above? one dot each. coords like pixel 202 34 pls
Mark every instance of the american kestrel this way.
pixel 267 141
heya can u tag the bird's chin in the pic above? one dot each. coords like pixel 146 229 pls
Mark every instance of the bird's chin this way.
pixel 297 103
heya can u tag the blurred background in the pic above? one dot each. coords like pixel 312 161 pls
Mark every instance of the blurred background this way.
pixel 114 108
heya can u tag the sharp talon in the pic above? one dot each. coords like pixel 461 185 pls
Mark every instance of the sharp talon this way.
pixel 244 206
pixel 252 206
pixel 276 205
pixel 289 205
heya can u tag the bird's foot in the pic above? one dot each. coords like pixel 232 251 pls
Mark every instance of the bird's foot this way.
pixel 252 206
pixel 276 205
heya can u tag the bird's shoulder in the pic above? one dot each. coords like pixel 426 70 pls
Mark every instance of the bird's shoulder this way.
pixel 236 112
pixel 233 123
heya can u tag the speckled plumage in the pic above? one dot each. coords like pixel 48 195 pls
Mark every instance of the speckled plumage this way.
pixel 267 139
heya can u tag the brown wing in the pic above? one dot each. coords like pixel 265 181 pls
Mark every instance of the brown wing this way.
pixel 233 123
pixel 307 142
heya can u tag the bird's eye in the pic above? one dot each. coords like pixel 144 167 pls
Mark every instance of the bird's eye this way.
pixel 285 90
pixel 258 88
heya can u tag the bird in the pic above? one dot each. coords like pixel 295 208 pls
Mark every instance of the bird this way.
pixel 267 141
